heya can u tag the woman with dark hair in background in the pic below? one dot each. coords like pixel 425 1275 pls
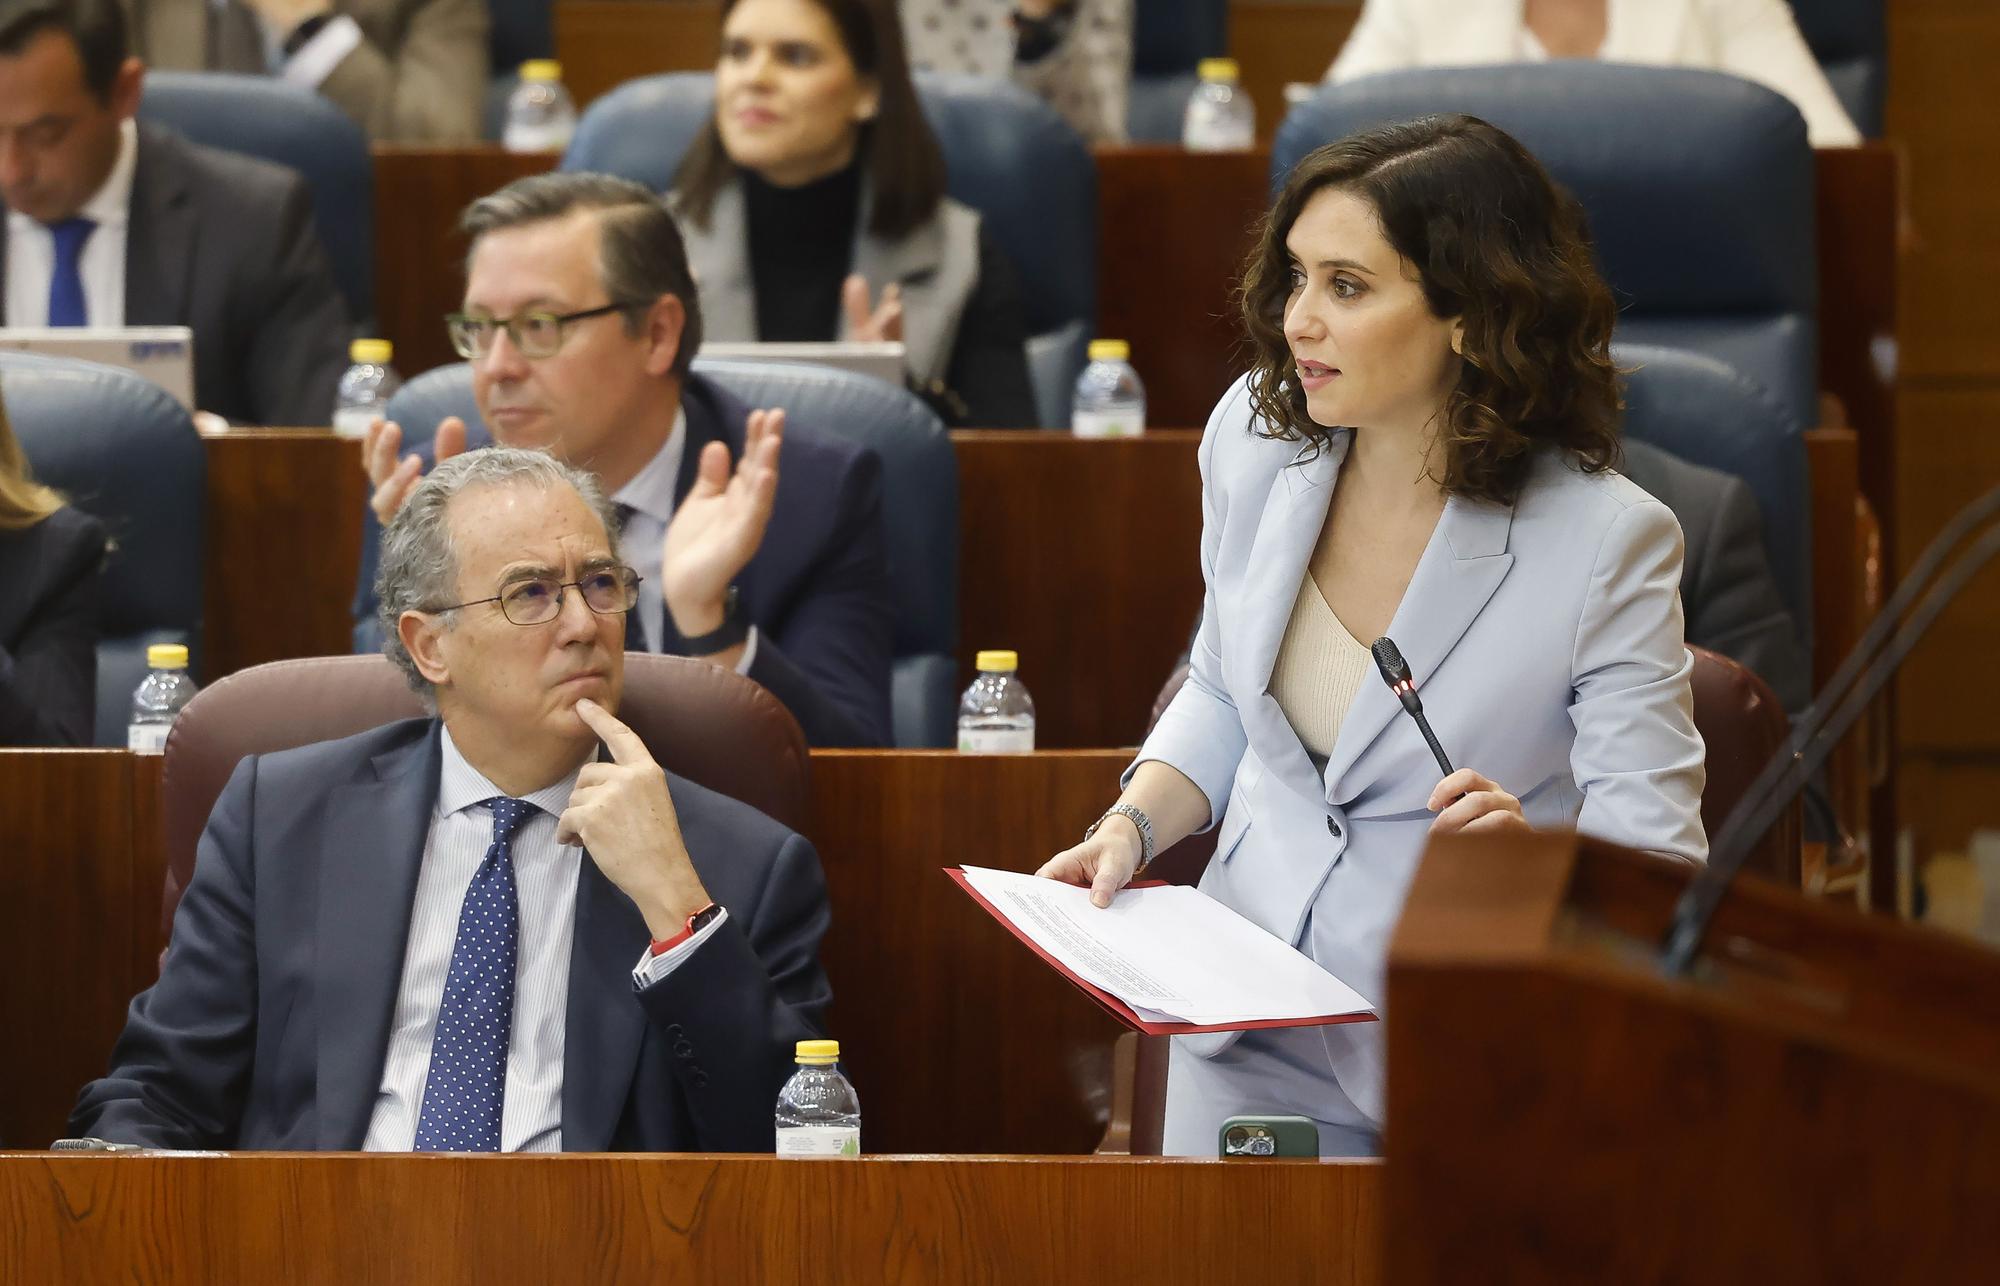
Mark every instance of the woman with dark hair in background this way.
pixel 1422 450
pixel 50 558
pixel 813 206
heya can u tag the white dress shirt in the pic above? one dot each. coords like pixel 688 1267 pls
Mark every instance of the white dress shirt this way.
pixel 31 250
pixel 545 877
pixel 650 494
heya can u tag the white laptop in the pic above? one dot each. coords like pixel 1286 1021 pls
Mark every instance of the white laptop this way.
pixel 163 355
pixel 883 360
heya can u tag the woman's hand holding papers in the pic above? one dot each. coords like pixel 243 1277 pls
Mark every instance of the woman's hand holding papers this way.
pixel 1103 863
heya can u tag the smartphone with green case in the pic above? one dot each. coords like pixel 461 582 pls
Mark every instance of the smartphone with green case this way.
pixel 1268 1136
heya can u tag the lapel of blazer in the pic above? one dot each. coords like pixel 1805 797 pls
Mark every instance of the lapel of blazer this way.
pixel 603 1021
pixel 159 246
pixel 1461 568
pixel 912 261
pixel 368 883
pixel 720 257
pixel 1294 511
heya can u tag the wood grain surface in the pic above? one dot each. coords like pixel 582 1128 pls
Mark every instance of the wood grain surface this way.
pixel 685 1219
pixel 77 922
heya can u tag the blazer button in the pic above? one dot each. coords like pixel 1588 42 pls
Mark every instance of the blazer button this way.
pixel 1332 827
pixel 674 1030
pixel 700 1078
pixel 683 1050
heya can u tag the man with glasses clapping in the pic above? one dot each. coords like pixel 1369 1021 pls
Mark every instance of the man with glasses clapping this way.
pixel 579 322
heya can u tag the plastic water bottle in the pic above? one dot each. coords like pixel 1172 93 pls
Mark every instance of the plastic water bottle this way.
pixel 541 117
pixel 1110 401
pixel 996 716
pixel 159 698
pixel 366 388
pixel 819 1115
pixel 1220 116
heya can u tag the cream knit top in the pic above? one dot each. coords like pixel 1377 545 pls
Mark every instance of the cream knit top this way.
pixel 1320 667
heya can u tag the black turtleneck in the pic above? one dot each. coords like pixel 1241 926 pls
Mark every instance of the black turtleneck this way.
pixel 801 243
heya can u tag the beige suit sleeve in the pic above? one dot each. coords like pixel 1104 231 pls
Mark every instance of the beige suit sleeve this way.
pixel 1760 41
pixel 429 85
pixel 1384 39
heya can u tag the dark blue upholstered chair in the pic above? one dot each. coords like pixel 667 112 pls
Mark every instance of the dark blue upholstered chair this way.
pixel 266 118
pixel 1007 154
pixel 1850 39
pixel 919 505
pixel 1699 188
pixel 1708 413
pixel 126 453
pixel 1169 37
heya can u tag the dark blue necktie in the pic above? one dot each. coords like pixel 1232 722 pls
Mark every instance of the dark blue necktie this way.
pixel 468 1077
pixel 66 306
pixel 635 634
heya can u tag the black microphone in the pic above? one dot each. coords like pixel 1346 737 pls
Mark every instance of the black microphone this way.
pixel 1867 668
pixel 1396 673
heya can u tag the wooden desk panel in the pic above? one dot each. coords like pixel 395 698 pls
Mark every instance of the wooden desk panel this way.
pixel 80 878
pixel 958 1038
pixel 419 256
pixel 1052 562
pixel 694 1219
pixel 284 546
pixel 604 43
pixel 1084 557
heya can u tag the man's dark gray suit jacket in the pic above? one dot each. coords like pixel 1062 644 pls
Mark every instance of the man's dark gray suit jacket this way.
pixel 225 244
pixel 270 1023
pixel 1727 589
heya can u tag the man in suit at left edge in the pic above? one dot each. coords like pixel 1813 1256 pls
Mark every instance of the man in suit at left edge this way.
pixel 112 223
pixel 501 929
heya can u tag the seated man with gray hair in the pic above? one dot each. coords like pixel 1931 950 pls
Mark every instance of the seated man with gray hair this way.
pixel 476 932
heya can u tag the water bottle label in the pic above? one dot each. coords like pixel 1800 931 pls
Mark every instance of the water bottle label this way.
pixel 819 1141
pixel 353 421
pixel 553 136
pixel 1107 424
pixel 996 741
pixel 147 738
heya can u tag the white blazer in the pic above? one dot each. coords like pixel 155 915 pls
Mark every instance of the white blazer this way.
pixel 1546 641
pixel 1754 39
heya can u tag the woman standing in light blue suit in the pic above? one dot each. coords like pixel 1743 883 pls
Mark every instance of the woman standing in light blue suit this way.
pixel 1423 449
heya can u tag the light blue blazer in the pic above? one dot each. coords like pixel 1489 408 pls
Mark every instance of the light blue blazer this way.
pixel 1546 640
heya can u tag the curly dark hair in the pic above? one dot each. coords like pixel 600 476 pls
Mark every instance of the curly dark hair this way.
pixel 1497 245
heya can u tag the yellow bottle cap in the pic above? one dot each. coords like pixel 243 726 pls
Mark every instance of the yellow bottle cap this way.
pixel 541 69
pixel 1110 350
pixel 816 1051
pixel 375 351
pixel 167 656
pixel 1216 69
pixel 998 660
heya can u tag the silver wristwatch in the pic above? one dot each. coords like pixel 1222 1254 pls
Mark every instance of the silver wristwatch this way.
pixel 1144 824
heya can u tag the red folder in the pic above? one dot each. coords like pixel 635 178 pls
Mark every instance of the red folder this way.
pixel 1123 1012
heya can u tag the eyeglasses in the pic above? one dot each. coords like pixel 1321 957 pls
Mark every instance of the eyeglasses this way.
pixel 536 334
pixel 537 600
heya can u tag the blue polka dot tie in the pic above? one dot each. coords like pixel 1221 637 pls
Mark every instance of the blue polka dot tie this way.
pixel 67 306
pixel 468 1076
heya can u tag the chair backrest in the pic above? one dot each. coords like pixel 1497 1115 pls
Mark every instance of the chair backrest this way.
pixel 1699 187
pixel 994 137
pixel 126 453
pixel 709 725
pixel 1708 413
pixel 1850 40
pixel 919 502
pixel 1742 725
pixel 265 117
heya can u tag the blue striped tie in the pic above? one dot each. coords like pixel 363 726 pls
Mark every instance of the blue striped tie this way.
pixel 468 1077
pixel 66 302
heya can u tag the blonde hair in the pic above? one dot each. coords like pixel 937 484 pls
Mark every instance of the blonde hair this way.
pixel 23 501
